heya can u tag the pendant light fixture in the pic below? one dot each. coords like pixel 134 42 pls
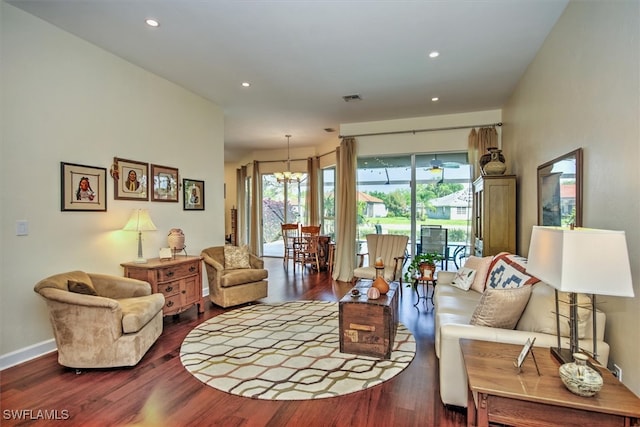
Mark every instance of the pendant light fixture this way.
pixel 288 176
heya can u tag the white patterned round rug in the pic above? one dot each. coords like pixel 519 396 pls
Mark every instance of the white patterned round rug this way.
pixel 287 351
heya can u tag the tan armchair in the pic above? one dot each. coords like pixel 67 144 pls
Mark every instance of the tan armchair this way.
pixel 229 287
pixel 391 248
pixel 112 324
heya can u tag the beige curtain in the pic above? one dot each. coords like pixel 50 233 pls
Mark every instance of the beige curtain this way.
pixel 241 177
pixel 313 191
pixel 479 141
pixel 255 231
pixel 345 210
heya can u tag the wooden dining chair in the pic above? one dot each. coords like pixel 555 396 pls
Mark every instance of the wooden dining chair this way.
pixel 290 234
pixel 306 248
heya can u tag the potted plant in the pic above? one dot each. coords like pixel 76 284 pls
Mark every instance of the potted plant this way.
pixel 420 263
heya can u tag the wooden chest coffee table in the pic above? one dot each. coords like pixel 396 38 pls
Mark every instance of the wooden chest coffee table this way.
pixel 505 396
pixel 368 327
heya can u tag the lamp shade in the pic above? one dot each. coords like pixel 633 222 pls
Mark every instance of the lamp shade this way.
pixel 140 221
pixel 582 260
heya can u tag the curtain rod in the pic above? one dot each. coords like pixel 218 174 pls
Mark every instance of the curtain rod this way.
pixel 421 130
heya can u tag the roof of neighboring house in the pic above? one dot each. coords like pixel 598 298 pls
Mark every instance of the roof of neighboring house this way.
pixel 364 197
pixel 460 198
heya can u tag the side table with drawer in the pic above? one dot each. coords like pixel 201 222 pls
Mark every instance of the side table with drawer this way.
pixel 179 279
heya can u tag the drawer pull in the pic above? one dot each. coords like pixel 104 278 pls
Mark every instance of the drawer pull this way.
pixel 184 292
pixel 170 273
pixel 169 303
pixel 168 289
pixel 192 269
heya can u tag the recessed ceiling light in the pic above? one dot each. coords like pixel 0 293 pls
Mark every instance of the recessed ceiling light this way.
pixel 435 98
pixel 246 84
pixel 434 54
pixel 152 22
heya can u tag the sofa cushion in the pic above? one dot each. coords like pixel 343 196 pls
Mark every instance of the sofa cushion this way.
pixel 539 315
pixel 138 311
pixel 501 308
pixel 242 276
pixel 508 271
pixel 481 266
pixel 85 288
pixel 236 257
pixel 464 278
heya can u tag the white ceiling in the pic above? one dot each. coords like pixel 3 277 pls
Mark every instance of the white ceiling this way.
pixel 302 56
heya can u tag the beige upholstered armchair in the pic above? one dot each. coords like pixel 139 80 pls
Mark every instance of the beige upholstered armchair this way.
pixel 101 321
pixel 235 283
pixel 391 248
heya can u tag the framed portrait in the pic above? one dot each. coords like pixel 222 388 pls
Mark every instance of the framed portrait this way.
pixel 193 197
pixel 165 184
pixel 130 179
pixel 83 188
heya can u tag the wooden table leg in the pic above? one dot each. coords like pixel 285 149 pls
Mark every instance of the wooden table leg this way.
pixel 471 410
pixel 482 415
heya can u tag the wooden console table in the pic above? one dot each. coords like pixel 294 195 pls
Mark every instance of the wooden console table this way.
pixel 179 279
pixel 505 396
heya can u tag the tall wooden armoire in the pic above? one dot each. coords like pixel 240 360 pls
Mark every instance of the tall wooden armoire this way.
pixel 494 215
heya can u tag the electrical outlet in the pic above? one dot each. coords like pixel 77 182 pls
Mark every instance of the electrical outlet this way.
pixel 617 371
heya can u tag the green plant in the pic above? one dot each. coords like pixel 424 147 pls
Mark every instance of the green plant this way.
pixel 414 266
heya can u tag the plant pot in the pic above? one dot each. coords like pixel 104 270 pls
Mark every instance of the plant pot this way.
pixel 427 270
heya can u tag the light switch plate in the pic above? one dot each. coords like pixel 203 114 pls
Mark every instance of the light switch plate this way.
pixel 22 228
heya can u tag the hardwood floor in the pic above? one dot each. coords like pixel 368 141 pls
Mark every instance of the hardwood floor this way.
pixel 160 392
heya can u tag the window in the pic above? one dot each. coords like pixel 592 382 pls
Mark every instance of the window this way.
pixel 328 201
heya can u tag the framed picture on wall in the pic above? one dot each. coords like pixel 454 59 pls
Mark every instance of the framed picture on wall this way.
pixel 165 184
pixel 130 179
pixel 83 188
pixel 193 197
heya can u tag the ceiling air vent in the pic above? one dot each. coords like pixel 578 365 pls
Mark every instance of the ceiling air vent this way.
pixel 352 98
pixel 329 130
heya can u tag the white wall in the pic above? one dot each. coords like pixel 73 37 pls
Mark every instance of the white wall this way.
pixel 583 90
pixel 65 100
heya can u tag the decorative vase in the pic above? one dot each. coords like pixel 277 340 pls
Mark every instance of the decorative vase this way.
pixel 381 285
pixel 427 270
pixel 176 240
pixel 580 378
pixel 496 164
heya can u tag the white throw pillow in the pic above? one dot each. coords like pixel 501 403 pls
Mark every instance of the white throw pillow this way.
pixel 481 266
pixel 464 278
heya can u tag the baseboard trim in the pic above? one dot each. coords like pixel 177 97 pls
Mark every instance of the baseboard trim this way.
pixel 28 353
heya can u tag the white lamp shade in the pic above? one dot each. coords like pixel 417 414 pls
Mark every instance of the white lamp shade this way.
pixel 582 260
pixel 140 221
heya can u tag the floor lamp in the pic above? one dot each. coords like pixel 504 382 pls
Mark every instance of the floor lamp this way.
pixel 140 221
pixel 580 260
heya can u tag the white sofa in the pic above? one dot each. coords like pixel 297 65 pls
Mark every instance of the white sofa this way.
pixel 454 308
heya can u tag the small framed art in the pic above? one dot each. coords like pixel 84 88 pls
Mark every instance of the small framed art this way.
pixel 193 197
pixel 130 179
pixel 83 188
pixel 165 184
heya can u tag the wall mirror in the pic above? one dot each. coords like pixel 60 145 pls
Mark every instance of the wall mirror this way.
pixel 560 191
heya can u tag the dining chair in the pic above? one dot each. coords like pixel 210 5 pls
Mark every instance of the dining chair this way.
pixel 290 233
pixel 434 239
pixel 306 248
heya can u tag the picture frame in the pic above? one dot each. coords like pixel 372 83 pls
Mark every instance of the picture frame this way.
pixel 560 190
pixel 130 179
pixel 165 184
pixel 193 195
pixel 83 188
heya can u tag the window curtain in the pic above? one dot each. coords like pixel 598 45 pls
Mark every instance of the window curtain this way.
pixel 345 210
pixel 255 233
pixel 241 177
pixel 313 191
pixel 479 141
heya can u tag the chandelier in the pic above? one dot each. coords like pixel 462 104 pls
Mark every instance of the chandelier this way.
pixel 288 176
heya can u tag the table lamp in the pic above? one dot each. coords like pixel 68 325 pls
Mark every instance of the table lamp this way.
pixel 580 260
pixel 140 221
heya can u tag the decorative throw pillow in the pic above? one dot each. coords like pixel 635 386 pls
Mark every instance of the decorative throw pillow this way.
pixel 236 257
pixel 81 288
pixel 501 308
pixel 464 278
pixel 481 266
pixel 508 271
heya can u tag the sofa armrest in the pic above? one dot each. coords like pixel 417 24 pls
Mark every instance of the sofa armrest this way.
pixel 445 277
pixel 117 287
pixel 256 262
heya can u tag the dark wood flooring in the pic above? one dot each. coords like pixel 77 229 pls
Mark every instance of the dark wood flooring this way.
pixel 160 392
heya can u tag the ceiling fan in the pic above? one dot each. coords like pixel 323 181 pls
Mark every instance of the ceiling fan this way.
pixel 437 165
